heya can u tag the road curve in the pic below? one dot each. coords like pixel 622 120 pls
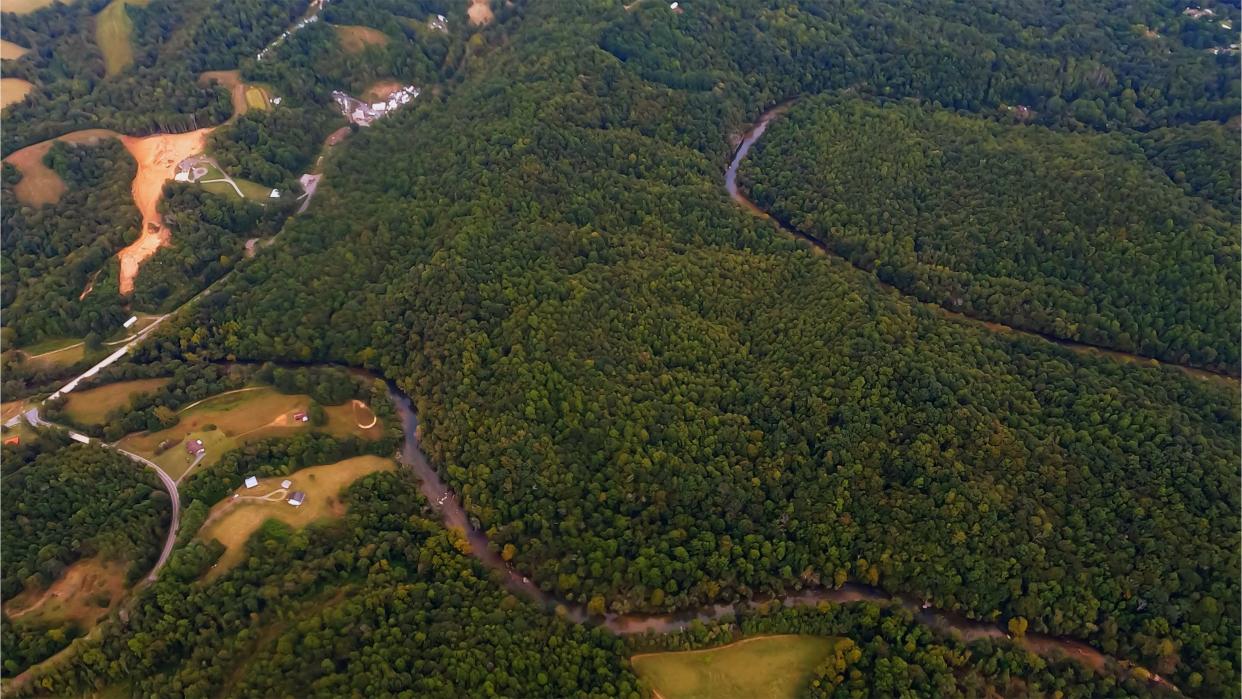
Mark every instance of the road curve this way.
pixel 730 182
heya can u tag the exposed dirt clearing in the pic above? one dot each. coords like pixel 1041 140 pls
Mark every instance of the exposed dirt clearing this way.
pixel 355 38
pixel 157 158
pixel 480 12
pixel 74 595
pixel 381 90
pixel 10 50
pixel 13 90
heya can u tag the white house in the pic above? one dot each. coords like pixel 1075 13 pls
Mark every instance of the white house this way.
pixel 297 499
pixel 130 322
pixel 252 482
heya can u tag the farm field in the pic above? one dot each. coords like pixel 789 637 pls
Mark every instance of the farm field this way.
pixel 91 406
pixel 10 50
pixel 257 97
pixel 13 90
pixel 763 667
pixel 236 518
pixel 355 38
pixel 232 419
pixel 83 594
pixel 112 33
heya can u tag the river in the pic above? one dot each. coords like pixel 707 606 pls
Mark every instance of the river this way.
pixel 757 130
pixel 445 502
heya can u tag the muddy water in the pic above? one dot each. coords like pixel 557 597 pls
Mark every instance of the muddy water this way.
pixel 757 130
pixel 446 503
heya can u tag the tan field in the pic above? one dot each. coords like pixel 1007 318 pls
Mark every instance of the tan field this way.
pixel 10 50
pixel 355 38
pixel 22 7
pixel 233 520
pixel 40 184
pixel 157 158
pixel 13 90
pixel 762 667
pixel 480 12
pixel 85 592
pixel 90 407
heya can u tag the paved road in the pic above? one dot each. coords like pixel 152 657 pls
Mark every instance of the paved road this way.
pixel 133 340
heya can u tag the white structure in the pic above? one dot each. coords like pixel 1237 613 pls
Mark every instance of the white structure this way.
pixel 363 114
pixel 130 322
pixel 79 438
pixel 297 499
pixel 276 100
pixel 286 483
pixel 252 482
pixel 275 194
pixel 439 23
pixel 182 176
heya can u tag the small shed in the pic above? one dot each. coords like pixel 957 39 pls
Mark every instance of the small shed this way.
pixel 286 483
pixel 301 416
pixel 297 499
pixel 195 447
pixel 130 322
pixel 252 482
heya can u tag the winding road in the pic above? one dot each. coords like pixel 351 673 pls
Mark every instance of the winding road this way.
pixel 757 130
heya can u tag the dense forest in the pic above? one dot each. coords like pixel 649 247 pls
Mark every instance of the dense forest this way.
pixel 648 396
pixel 64 503
pixel 1073 235
pixel 51 252
pixel 656 398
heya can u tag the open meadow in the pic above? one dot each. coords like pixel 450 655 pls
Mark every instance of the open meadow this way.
pixel 763 667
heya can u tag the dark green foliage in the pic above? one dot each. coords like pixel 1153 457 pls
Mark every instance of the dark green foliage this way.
pixel 51 252
pixel 272 147
pixel 1202 158
pixel 28 643
pixel 1073 235
pixel 382 604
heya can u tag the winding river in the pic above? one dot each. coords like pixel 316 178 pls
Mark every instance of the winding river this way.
pixel 757 130
pixel 446 503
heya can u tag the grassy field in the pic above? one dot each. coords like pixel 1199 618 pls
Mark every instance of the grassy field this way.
pixel 21 430
pixel 90 407
pixel 10 50
pixel 22 7
pixel 253 190
pixel 84 593
pixel 112 33
pixel 235 518
pixel 355 38
pixel 256 97
pixel 233 419
pixel 764 667
pixel 65 356
pixel 13 90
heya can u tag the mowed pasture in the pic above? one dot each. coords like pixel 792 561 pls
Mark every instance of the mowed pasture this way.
pixel 257 97
pixel 763 667
pixel 233 419
pixel 13 90
pixel 91 406
pixel 83 594
pixel 113 30
pixel 10 50
pixel 233 520
pixel 356 38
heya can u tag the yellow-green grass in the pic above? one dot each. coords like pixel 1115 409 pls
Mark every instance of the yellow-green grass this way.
pixel 235 418
pixel 764 667
pixel 256 97
pixel 355 38
pixel 112 33
pixel 13 90
pixel 10 50
pixel 61 357
pixel 233 520
pixel 22 7
pixel 91 406
pixel 254 190
pixel 83 594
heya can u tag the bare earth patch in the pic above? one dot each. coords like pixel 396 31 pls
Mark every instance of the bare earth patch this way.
pixel 10 50
pixel 480 12
pixel 354 38
pixel 157 158
pixel 381 90
pixel 13 90
pixel 86 591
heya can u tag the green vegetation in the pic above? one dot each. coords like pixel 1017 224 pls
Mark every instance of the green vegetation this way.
pixel 764 667
pixel 62 504
pixel 1073 235
pixel 112 33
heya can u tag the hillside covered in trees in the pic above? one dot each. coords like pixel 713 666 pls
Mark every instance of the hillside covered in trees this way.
pixel 657 399
pixel 651 400
pixel 1075 235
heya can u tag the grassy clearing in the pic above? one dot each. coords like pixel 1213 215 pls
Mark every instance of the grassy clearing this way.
pixel 86 591
pixel 355 38
pixel 90 407
pixel 253 190
pixel 257 97
pixel 13 90
pixel 62 357
pixel 112 33
pixel 22 7
pixel 236 518
pixel 764 667
pixel 10 50
pixel 21 430
pixel 235 419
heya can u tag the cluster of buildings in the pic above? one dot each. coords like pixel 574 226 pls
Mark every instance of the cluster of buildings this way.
pixel 438 23
pixel 363 113
pixel 295 499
